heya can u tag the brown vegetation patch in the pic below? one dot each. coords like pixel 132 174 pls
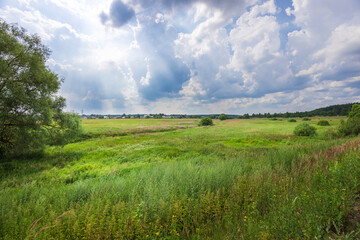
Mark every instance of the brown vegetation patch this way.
pixel 330 154
pixel 337 151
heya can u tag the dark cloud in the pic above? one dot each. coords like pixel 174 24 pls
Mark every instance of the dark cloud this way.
pixel 168 72
pixel 119 14
pixel 167 82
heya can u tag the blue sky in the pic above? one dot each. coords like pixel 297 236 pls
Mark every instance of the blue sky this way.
pixel 198 56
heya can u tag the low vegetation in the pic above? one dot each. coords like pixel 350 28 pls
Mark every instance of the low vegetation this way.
pixel 305 129
pixel 351 127
pixel 206 121
pixel 223 117
pixel 241 179
pixel 292 120
pixel 323 123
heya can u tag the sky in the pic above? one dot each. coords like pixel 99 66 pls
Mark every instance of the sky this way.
pixel 198 56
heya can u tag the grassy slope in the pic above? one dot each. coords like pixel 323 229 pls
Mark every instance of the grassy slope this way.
pixel 237 179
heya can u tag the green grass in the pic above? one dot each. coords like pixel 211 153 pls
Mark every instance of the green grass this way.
pixel 120 127
pixel 238 179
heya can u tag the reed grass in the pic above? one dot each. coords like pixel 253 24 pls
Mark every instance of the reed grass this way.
pixel 228 181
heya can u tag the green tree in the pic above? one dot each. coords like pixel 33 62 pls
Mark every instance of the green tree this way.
pixel 323 123
pixel 30 111
pixel 206 121
pixel 304 129
pixel 352 125
pixel 222 117
pixel 355 111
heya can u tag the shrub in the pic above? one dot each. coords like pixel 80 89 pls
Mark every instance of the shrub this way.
pixel 306 119
pixel 323 123
pixel 274 119
pixel 291 120
pixel 206 121
pixel 305 129
pixel 222 117
pixel 352 125
pixel 355 111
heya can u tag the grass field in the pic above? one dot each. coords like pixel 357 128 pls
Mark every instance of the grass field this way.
pixel 170 179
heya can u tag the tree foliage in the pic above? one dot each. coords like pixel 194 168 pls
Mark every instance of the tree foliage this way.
pixel 334 110
pixel 30 111
pixel 304 129
pixel 323 123
pixel 206 121
pixel 352 125
pixel 222 117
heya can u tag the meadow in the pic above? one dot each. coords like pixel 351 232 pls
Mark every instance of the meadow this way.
pixel 171 179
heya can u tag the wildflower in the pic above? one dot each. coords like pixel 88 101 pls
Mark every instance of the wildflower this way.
pixel 157 233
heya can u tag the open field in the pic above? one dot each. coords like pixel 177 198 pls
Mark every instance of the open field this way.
pixel 170 179
pixel 131 126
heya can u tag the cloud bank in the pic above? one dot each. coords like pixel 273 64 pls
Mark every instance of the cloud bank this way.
pixel 198 56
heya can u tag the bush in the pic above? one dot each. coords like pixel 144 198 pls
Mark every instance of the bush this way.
pixel 304 129
pixel 274 119
pixel 323 123
pixel 352 125
pixel 291 120
pixel 222 117
pixel 206 121
pixel 306 119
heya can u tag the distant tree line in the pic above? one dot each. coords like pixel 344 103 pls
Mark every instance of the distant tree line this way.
pixel 334 110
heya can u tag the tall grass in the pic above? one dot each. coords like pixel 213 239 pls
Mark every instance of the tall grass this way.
pixel 197 188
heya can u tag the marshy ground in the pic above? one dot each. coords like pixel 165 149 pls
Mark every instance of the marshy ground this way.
pixel 171 179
